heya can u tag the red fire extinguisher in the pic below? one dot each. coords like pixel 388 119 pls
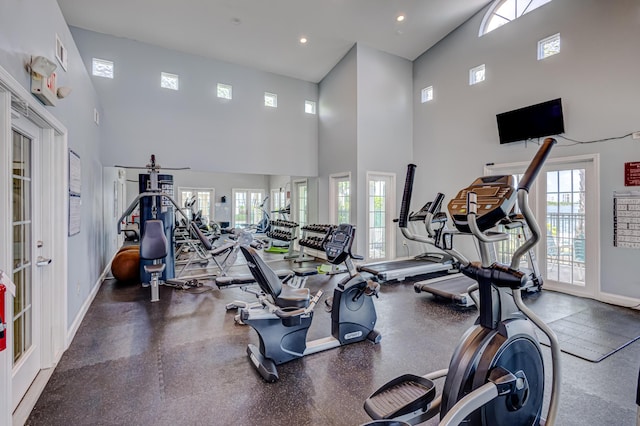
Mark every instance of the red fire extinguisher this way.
pixel 3 324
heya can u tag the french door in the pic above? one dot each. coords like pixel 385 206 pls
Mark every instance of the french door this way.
pixel 249 207
pixel 301 194
pixel 25 223
pixel 380 213
pixel 566 202
pixel 203 202
pixel 340 198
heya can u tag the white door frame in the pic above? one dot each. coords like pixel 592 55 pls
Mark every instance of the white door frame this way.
pixel 592 274
pixel 54 207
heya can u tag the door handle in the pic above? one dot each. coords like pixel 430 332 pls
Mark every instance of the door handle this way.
pixel 42 261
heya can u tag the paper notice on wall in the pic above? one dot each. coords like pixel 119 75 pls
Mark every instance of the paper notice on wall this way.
pixel 11 287
pixel 626 219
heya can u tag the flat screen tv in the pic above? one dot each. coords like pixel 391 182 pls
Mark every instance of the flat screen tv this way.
pixel 534 121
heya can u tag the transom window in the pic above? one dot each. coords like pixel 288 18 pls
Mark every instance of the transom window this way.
pixel 225 91
pixel 102 68
pixel 476 74
pixel 505 11
pixel 270 100
pixel 549 46
pixel 427 94
pixel 169 81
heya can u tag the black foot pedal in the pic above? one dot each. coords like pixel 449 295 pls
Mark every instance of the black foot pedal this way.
pixel 404 395
pixel 265 366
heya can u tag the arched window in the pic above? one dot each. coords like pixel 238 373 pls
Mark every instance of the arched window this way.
pixel 504 11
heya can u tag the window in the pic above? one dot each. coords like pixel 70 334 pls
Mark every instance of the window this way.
pixel 505 11
pixel 301 194
pixel 168 81
pixel 225 91
pixel 278 200
pixel 476 75
pixel 247 207
pixel 549 46
pixel 427 94
pixel 309 107
pixel 102 68
pixel 340 198
pixel 381 202
pixel 270 100
pixel 197 203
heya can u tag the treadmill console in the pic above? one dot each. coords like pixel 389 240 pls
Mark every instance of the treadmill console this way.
pixel 338 245
pixel 496 199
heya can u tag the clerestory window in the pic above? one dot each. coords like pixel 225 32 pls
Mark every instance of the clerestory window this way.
pixel 505 11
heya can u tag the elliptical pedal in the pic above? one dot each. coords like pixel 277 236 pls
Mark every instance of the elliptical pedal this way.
pixel 404 395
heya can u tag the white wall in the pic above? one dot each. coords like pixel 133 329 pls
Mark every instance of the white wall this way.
pixel 596 75
pixel 222 183
pixel 30 28
pixel 192 127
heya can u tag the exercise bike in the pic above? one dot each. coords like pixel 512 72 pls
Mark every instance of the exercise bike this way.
pixel 284 314
pixel 496 374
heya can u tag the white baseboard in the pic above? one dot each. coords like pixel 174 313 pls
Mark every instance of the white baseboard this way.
pixel 23 410
pixel 615 299
pixel 71 332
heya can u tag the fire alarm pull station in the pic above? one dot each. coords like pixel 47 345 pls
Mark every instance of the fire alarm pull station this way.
pixel 3 324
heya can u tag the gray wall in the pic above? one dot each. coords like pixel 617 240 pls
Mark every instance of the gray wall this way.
pixel 596 75
pixel 29 28
pixel 192 127
pixel 365 126
pixel 385 126
pixel 337 132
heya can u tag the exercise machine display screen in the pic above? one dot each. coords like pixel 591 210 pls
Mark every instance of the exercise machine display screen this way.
pixel 496 198
pixel 338 245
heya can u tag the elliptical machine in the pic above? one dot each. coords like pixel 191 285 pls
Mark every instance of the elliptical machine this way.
pixel 284 314
pixel 496 374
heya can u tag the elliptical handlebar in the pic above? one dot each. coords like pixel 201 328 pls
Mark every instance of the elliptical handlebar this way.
pixel 523 200
pixel 536 164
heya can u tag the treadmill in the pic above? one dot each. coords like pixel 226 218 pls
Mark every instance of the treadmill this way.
pixel 455 288
pixel 435 264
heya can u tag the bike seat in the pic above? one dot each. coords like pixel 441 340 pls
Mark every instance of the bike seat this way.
pixel 290 297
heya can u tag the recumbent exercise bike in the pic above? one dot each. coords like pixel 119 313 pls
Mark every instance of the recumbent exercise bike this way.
pixel 284 314
pixel 496 374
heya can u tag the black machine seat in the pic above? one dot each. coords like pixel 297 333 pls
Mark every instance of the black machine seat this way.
pixel 283 295
pixel 153 244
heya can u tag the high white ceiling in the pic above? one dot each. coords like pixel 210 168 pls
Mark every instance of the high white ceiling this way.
pixel 265 34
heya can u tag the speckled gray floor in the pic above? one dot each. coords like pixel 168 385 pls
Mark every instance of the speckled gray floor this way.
pixel 182 361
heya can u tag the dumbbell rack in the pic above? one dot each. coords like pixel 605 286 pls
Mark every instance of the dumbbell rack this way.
pixel 284 230
pixel 312 237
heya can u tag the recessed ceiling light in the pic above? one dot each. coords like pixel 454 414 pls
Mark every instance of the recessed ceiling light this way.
pixel 400 18
pixel 303 40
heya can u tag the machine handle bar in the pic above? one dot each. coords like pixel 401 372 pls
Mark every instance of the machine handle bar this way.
pixel 288 314
pixel 536 164
pixel 436 204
